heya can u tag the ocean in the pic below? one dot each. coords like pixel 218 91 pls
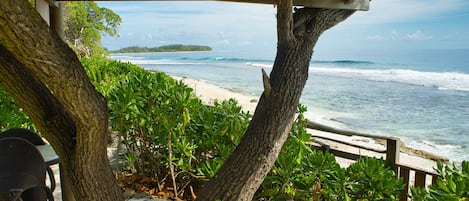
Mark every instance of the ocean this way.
pixel 419 96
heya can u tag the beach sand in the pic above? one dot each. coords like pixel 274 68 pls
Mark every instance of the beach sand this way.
pixel 208 92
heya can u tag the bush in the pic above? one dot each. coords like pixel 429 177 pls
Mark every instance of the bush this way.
pixel 11 115
pixel 452 185
pixel 170 133
pixel 302 173
pixel 166 129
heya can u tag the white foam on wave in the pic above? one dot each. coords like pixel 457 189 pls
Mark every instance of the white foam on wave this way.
pixel 442 81
pixel 259 65
pixel 125 57
pixel 451 151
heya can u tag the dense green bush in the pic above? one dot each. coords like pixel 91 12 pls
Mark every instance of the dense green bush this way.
pixel 452 185
pixel 165 128
pixel 11 115
pixel 170 133
pixel 302 173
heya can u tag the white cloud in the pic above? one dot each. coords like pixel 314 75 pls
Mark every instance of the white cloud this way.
pixel 227 24
pixel 220 23
pixel 394 35
pixel 376 37
pixel 417 35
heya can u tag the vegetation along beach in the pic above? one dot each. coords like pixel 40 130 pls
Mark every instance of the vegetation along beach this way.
pixel 414 98
pixel 236 101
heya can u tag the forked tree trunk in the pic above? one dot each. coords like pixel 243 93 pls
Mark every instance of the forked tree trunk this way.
pixel 46 79
pixel 243 172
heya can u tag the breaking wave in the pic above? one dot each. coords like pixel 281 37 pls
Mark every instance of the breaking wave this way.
pixel 440 80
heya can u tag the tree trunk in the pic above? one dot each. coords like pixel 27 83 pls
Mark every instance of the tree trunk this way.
pixel 46 79
pixel 245 169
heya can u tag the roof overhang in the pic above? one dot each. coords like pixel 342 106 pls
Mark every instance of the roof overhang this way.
pixel 331 4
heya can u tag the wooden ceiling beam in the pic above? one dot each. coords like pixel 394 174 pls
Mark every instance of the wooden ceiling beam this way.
pixel 331 4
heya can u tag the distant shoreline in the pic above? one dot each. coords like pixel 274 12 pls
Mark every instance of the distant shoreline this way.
pixel 158 52
pixel 166 48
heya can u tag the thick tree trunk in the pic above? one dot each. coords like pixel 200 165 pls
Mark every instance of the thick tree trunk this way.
pixel 46 79
pixel 243 172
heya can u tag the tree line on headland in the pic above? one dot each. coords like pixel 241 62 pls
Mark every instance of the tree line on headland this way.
pixel 165 48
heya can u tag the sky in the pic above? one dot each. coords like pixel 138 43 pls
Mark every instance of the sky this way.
pixel 389 24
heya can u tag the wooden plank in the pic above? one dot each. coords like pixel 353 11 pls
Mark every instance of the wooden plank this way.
pixel 404 174
pixel 325 128
pixel 420 178
pixel 332 4
pixel 349 144
pixel 429 172
pixel 339 153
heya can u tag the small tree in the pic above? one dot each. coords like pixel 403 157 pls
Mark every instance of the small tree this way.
pixel 243 172
pixel 84 21
pixel 45 77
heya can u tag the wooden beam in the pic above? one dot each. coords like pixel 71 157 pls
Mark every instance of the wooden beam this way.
pixel 330 129
pixel 42 7
pixel 331 4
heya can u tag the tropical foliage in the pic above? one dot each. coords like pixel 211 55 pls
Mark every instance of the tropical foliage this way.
pixel 174 138
pixel 302 173
pixel 452 185
pixel 11 115
pixel 84 22
pixel 167 131
pixel 179 143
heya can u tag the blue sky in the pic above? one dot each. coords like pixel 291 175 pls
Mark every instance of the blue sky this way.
pixel 389 24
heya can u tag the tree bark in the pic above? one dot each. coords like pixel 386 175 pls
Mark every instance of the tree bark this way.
pixel 245 169
pixel 46 78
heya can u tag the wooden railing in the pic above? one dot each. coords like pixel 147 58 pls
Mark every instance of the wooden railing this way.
pixel 412 176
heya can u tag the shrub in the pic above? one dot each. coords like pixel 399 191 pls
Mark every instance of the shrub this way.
pixel 370 179
pixel 452 185
pixel 302 173
pixel 11 115
pixel 166 129
pixel 170 133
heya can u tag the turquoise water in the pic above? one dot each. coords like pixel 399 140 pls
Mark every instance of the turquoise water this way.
pixel 421 97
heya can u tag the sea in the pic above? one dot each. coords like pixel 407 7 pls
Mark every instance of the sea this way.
pixel 419 96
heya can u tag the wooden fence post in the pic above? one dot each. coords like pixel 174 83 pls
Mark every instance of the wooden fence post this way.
pixel 392 152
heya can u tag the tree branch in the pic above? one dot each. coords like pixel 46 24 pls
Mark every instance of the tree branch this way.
pixel 317 20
